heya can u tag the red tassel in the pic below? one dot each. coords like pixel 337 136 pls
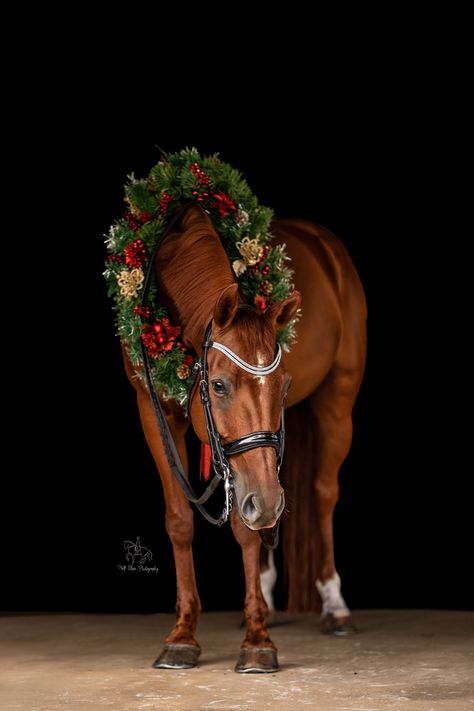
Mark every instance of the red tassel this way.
pixel 205 461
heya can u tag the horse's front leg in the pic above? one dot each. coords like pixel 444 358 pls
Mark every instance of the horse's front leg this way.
pixel 181 649
pixel 257 653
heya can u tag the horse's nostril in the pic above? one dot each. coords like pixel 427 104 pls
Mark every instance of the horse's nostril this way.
pixel 281 506
pixel 250 508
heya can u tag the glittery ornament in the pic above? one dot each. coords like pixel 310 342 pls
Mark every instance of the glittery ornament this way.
pixel 148 338
pixel 135 254
pixel 130 283
pixel 183 372
pixel 159 337
pixel 266 287
pixel 250 250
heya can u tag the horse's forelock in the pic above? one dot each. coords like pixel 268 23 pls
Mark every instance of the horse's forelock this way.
pixel 255 333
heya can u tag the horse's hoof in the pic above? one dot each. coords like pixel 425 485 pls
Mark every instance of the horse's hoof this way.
pixel 254 660
pixel 338 626
pixel 178 656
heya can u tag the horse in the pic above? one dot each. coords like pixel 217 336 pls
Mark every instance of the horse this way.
pixel 316 382
pixel 136 550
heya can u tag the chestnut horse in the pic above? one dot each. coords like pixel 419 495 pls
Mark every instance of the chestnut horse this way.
pixel 325 368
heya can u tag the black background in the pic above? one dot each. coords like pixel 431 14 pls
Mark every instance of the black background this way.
pixel 358 160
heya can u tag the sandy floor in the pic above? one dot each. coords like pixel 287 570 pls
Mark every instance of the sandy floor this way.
pixel 410 660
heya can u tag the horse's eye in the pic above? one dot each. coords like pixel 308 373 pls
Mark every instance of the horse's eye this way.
pixel 218 387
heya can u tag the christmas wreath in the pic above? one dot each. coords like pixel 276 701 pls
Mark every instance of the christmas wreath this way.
pixel 243 226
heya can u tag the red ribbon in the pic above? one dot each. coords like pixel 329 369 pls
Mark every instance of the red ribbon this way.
pixel 205 461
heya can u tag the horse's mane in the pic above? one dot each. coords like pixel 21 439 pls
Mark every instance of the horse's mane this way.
pixel 193 270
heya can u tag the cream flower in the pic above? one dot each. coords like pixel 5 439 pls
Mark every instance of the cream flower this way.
pixel 250 250
pixel 130 282
pixel 239 267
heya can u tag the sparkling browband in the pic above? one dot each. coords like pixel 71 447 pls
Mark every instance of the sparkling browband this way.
pixel 253 369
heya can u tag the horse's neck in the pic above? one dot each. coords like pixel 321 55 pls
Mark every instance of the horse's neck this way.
pixel 192 269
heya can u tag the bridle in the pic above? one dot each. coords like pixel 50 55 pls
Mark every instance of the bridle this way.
pixel 220 452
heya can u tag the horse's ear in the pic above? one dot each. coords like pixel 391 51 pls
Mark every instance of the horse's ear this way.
pixel 227 305
pixel 281 313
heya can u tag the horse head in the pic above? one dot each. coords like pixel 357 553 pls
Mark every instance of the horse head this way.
pixel 243 402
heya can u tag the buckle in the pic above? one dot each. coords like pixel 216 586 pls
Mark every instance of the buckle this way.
pixel 203 391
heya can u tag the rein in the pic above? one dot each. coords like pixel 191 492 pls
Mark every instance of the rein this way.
pixel 219 452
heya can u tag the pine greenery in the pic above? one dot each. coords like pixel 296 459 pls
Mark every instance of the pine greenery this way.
pixel 236 214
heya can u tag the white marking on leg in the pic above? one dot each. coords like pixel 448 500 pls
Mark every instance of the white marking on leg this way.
pixel 268 580
pixel 333 602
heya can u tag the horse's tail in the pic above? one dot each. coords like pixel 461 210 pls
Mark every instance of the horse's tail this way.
pixel 301 547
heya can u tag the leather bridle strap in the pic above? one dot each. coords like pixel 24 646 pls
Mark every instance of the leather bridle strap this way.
pixel 250 441
pixel 172 454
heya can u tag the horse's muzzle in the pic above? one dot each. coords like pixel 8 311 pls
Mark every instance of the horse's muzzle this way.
pixel 255 512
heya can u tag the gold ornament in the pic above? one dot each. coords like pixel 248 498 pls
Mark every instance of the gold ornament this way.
pixel 267 286
pixel 183 372
pixel 130 283
pixel 239 267
pixel 250 250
